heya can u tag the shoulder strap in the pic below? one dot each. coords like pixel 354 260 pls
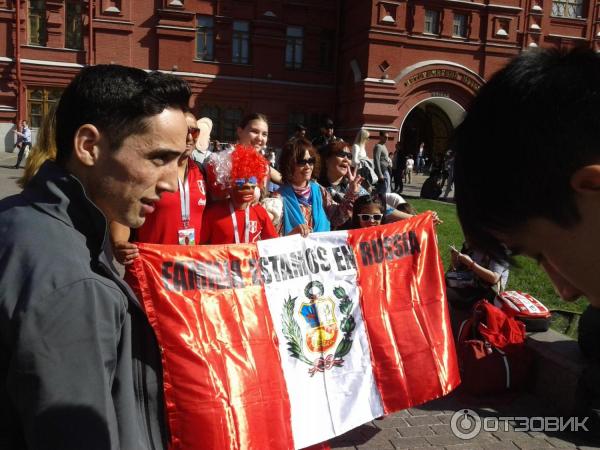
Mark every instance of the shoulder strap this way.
pixel 200 166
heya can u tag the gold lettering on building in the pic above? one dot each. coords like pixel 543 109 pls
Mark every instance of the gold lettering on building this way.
pixel 443 73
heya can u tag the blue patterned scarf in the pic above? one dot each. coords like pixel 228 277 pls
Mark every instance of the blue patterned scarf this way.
pixel 292 214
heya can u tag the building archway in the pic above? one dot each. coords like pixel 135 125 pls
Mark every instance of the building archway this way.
pixel 433 96
pixel 432 122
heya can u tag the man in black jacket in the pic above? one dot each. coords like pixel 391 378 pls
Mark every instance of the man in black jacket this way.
pixel 79 363
pixel 527 181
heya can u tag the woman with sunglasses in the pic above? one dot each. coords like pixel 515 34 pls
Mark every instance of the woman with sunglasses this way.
pixel 308 206
pixel 177 216
pixel 338 173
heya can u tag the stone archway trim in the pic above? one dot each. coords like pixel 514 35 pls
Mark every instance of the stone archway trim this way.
pixel 442 103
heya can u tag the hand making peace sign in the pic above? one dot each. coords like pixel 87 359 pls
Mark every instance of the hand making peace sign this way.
pixel 354 180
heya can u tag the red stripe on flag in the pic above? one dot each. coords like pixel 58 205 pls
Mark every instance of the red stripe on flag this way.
pixel 406 315
pixel 224 386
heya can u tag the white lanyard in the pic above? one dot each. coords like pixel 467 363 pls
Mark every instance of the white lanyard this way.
pixel 235 225
pixel 184 196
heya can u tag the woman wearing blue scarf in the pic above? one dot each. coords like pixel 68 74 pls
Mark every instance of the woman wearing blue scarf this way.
pixel 307 206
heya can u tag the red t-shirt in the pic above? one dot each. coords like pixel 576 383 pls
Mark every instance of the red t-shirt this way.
pixel 217 226
pixel 163 225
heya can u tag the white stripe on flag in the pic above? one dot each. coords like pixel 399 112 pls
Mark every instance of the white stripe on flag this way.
pixel 329 395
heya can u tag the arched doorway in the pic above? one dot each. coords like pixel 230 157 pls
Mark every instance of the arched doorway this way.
pixel 431 122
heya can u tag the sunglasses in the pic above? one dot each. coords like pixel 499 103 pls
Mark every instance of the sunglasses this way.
pixel 369 217
pixel 242 181
pixel 303 162
pixel 346 155
pixel 195 132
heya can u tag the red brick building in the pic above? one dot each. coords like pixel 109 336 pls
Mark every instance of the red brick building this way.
pixel 406 66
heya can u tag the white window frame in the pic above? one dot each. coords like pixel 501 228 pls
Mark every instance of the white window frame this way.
pixel 432 22
pixel 240 42
pixel 205 42
pixel 460 25
pixel 294 47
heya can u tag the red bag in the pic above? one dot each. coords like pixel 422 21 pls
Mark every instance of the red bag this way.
pixel 524 307
pixel 491 349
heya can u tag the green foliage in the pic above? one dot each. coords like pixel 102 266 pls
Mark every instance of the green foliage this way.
pixel 346 306
pixel 526 276
pixel 339 292
pixel 343 349
pixel 291 331
pixel 348 325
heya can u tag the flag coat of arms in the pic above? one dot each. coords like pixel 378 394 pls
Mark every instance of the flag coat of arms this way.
pixel 289 342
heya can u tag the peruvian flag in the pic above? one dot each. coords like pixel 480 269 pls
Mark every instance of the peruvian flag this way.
pixel 292 341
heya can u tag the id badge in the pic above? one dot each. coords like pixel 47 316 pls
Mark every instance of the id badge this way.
pixel 187 236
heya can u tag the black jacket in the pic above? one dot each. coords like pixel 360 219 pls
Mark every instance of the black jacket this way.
pixel 79 363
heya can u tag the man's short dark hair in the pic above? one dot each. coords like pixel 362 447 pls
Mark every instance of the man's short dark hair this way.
pixel 528 130
pixel 300 127
pixel 117 100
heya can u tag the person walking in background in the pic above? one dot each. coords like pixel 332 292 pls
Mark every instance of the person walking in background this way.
pixel 398 168
pixel 420 162
pixel 19 139
pixel 410 164
pixel 392 169
pixel 25 135
pixel 382 163
pixel 80 364
pixel 449 166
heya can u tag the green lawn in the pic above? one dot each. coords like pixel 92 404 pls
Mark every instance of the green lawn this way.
pixel 527 276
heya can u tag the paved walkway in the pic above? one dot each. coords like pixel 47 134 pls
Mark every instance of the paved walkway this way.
pixel 429 425
pixel 8 175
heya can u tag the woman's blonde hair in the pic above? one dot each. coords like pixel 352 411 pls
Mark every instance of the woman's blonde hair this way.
pixel 43 150
pixel 361 137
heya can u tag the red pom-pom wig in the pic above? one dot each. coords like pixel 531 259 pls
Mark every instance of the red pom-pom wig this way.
pixel 246 162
